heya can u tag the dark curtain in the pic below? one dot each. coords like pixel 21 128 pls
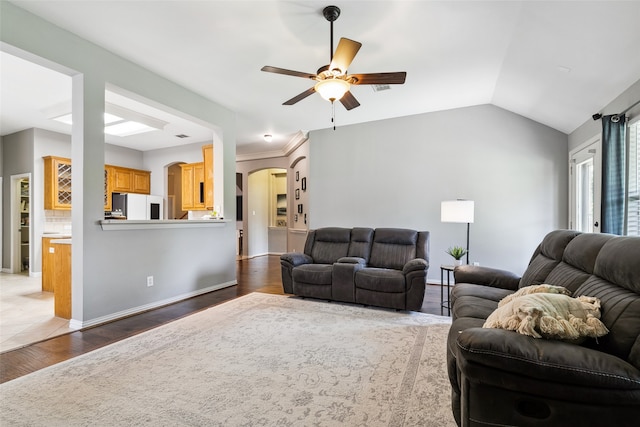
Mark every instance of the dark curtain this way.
pixel 613 174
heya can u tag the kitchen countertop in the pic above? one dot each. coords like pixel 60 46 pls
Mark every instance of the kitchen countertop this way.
pixel 56 235
pixel 61 241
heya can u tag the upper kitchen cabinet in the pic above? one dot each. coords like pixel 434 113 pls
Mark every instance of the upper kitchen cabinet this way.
pixel 57 183
pixel 197 182
pixel 117 179
pixel 126 180
pixel 207 153
pixel 193 186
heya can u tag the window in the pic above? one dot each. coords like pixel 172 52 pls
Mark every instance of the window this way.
pixel 633 197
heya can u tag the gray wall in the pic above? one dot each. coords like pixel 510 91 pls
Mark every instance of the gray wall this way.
pixel 17 159
pixel 395 173
pixel 591 128
pixel 109 267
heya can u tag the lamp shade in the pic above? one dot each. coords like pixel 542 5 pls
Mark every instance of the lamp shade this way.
pixel 332 89
pixel 457 211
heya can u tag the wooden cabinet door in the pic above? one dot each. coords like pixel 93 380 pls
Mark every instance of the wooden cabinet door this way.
pixel 48 263
pixel 57 183
pixel 62 281
pixel 141 182
pixel 122 180
pixel 207 153
pixel 187 186
pixel 107 188
pixel 192 186
pixel 126 180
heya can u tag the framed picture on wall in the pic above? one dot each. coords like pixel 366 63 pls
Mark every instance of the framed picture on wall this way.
pixel 304 184
pixel 300 208
pixel 297 175
pixel 295 217
pixel 297 193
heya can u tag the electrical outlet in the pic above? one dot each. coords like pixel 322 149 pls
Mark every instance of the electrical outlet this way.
pixel 149 280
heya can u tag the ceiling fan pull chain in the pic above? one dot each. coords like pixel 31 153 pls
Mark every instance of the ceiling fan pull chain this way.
pixel 333 114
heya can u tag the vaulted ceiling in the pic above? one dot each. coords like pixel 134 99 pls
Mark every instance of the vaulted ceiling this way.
pixel 556 62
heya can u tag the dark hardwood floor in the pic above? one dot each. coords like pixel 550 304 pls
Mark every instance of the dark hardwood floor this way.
pixel 260 274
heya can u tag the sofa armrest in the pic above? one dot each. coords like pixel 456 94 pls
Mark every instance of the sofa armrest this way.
pixel 417 264
pixel 486 276
pixel 296 258
pixel 352 260
pixel 541 367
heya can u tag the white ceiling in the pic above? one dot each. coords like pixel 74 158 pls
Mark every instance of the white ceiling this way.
pixel 554 62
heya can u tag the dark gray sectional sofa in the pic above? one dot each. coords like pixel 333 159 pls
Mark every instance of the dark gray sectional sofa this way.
pixel 500 377
pixel 384 267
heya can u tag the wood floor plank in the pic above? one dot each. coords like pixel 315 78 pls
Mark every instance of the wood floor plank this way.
pixel 260 274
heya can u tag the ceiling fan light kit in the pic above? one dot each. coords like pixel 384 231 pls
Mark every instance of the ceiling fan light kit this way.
pixel 333 82
pixel 332 89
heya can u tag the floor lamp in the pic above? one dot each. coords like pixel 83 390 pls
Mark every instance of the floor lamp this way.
pixel 458 211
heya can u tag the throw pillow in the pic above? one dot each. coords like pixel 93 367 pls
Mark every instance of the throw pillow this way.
pixel 554 316
pixel 534 289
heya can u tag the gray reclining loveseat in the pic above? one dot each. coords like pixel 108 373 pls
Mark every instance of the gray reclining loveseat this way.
pixel 384 267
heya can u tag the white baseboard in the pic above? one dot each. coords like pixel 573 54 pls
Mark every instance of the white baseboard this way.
pixel 79 324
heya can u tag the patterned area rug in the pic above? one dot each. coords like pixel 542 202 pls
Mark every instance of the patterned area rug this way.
pixel 259 360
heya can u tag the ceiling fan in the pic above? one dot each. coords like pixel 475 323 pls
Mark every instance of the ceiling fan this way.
pixel 333 82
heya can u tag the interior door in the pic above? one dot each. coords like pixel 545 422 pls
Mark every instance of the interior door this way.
pixel 585 178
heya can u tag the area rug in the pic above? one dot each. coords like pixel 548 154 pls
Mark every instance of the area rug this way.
pixel 258 360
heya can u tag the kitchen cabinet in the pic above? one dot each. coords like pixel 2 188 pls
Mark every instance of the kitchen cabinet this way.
pixel 117 179
pixel 207 154
pixel 193 186
pixel 48 263
pixel 107 189
pixel 57 183
pixel 62 278
pixel 126 180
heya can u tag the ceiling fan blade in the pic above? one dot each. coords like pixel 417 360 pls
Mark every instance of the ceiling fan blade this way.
pixel 380 78
pixel 300 97
pixel 284 71
pixel 345 52
pixel 349 101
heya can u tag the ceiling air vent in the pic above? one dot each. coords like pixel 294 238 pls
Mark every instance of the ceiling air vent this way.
pixel 182 135
pixel 378 88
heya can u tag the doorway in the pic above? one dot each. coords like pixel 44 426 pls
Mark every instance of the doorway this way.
pixel 585 187
pixel 21 223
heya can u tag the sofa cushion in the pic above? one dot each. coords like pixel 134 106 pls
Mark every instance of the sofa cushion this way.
pixel 330 244
pixel 360 245
pixel 471 289
pixel 393 247
pixel 620 314
pixel 547 256
pixel 472 306
pixel 619 262
pixel 380 280
pixel 578 260
pixel 616 282
pixel 315 274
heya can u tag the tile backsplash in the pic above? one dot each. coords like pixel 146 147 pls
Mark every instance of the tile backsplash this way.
pixel 57 221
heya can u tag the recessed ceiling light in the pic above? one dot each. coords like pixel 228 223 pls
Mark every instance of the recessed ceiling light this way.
pixel 127 128
pixel 268 138
pixel 564 69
